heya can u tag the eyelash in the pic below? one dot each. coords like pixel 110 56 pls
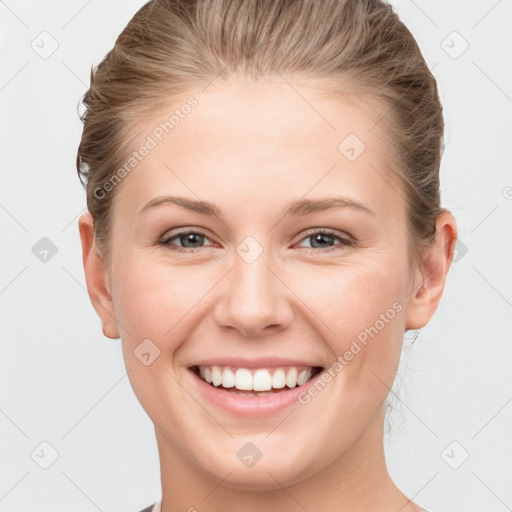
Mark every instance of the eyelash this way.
pixel 344 241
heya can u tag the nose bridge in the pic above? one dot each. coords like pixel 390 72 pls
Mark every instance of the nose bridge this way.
pixel 253 297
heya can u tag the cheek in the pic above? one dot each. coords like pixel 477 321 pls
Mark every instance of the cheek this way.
pixel 351 298
pixel 360 311
pixel 152 299
pixel 155 300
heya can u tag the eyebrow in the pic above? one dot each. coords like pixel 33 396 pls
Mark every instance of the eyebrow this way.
pixel 300 207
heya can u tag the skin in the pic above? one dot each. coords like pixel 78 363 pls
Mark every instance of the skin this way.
pixel 252 148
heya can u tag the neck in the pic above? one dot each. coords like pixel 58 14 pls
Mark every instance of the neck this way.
pixel 356 481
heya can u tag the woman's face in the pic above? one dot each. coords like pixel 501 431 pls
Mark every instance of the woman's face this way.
pixel 259 286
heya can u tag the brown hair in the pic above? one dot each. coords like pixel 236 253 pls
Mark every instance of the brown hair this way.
pixel 172 46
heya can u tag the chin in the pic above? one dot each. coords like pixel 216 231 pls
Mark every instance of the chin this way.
pixel 267 478
pixel 266 474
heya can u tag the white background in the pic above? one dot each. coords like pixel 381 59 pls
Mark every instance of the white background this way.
pixel 62 382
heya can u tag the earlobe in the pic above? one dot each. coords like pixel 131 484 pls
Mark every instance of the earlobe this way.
pixel 97 278
pixel 430 279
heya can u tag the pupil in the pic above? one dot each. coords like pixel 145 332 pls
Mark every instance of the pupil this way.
pixel 318 238
pixel 189 237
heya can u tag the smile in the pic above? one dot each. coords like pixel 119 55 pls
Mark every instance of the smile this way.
pixel 255 381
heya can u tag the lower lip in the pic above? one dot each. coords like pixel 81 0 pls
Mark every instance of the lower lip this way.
pixel 252 406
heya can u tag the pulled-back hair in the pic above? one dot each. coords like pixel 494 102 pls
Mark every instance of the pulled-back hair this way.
pixel 172 46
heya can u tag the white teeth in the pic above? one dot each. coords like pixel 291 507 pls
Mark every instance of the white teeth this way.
pixel 243 379
pixel 259 380
pixel 228 378
pixel 291 378
pixel 279 379
pixel 262 381
pixel 304 376
pixel 216 376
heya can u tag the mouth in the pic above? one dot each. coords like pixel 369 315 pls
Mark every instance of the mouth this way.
pixel 255 382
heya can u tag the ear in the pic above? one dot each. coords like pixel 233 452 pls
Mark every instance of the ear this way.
pixel 429 280
pixel 97 278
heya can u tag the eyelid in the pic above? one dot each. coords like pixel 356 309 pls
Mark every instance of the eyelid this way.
pixel 328 231
pixel 170 234
pixel 345 240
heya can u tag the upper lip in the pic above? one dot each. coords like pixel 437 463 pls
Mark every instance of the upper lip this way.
pixel 261 362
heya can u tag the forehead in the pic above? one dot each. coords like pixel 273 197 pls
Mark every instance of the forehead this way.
pixel 263 143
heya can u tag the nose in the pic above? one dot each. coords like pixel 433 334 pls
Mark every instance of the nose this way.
pixel 254 298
